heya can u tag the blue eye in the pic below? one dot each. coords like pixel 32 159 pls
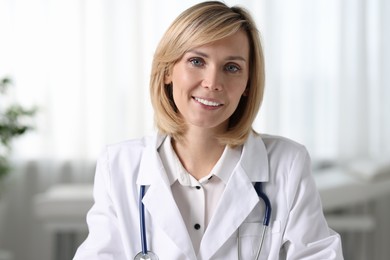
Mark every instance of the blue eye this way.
pixel 232 68
pixel 197 62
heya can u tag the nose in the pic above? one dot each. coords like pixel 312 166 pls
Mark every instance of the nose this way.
pixel 213 79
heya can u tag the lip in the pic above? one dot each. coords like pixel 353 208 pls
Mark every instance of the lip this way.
pixel 209 102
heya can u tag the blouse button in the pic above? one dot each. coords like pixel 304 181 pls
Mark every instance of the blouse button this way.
pixel 197 226
pixel 197 187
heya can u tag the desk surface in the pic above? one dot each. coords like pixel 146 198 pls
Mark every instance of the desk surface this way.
pixel 339 189
pixel 64 207
pixel 4 255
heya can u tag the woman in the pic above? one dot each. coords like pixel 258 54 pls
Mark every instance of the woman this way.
pixel 200 169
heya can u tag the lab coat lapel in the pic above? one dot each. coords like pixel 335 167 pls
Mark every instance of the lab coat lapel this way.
pixel 161 205
pixel 158 198
pixel 239 197
pixel 236 203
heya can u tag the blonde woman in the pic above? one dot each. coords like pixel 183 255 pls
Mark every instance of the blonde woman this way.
pixel 206 186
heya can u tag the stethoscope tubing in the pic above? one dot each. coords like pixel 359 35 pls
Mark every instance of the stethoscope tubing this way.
pixel 144 243
pixel 266 220
pixel 267 214
pixel 261 242
pixel 264 197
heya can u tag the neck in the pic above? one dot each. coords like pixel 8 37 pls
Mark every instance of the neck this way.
pixel 198 151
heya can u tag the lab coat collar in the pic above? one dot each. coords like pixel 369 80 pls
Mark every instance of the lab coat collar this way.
pixel 254 159
pixel 151 166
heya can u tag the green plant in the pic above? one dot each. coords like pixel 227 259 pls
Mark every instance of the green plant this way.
pixel 13 123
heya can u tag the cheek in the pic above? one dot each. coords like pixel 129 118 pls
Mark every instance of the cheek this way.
pixel 238 89
pixel 185 80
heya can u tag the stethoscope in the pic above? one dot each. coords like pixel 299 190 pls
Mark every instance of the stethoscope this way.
pixel 145 254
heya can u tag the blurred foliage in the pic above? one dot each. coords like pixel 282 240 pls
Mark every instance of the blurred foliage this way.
pixel 13 123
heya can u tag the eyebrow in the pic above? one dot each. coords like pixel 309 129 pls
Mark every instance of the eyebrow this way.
pixel 204 55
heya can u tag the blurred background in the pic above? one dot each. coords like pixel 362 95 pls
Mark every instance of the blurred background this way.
pixel 85 64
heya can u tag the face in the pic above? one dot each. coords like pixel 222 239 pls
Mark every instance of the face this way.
pixel 209 81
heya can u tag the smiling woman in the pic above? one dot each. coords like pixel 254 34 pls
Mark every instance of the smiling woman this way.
pixel 205 185
pixel 193 45
pixel 206 92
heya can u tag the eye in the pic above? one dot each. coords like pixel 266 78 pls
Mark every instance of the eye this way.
pixel 232 68
pixel 197 62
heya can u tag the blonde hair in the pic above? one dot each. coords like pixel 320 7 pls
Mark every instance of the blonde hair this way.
pixel 199 25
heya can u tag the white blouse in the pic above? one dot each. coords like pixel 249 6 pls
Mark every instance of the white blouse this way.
pixel 197 199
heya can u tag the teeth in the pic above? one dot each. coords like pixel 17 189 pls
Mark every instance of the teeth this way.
pixel 207 102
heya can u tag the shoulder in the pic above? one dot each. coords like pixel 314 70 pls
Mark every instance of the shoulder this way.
pixel 282 150
pixel 274 143
pixel 127 151
pixel 130 146
pixel 124 159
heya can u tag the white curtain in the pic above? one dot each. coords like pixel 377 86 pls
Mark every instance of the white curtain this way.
pixel 327 85
pixel 86 64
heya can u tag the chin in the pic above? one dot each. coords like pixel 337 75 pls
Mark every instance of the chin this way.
pixel 213 124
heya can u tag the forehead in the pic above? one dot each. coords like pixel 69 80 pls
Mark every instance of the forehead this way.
pixel 236 44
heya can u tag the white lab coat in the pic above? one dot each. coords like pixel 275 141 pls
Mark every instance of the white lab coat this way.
pixel 298 229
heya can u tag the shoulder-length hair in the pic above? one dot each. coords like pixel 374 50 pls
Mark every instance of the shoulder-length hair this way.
pixel 199 25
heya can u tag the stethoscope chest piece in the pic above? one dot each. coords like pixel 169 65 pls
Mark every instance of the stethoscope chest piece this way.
pixel 148 256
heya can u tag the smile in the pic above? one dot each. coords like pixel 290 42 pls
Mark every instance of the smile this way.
pixel 207 102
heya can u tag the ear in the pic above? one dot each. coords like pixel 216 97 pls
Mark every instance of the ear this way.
pixel 167 77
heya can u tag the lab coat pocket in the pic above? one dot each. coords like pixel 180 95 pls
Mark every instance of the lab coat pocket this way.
pixel 249 239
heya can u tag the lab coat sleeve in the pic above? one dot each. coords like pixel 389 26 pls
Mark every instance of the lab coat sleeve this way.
pixel 307 235
pixel 104 240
